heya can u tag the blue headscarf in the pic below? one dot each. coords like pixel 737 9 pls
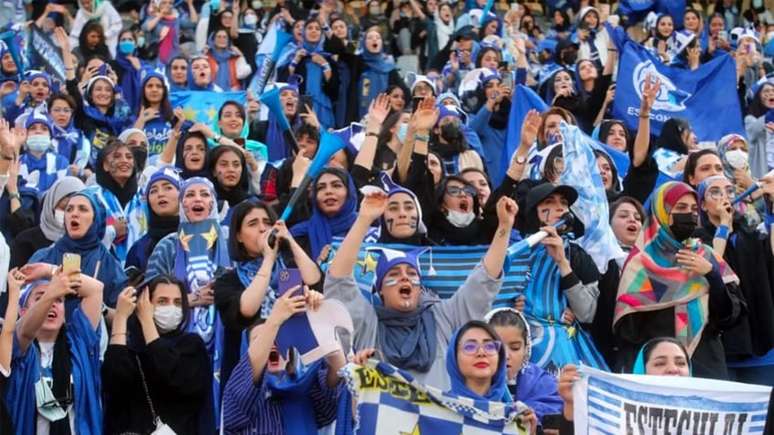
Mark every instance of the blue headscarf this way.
pixel 115 123
pixel 222 57
pixel 377 73
pixel 129 83
pixel 192 83
pixel 498 391
pixel 320 228
pixel 321 103
pixel 168 72
pixel 93 253
pixel 293 394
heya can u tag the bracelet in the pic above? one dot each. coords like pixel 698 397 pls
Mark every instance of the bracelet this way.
pixel 611 49
pixel 722 232
pixel 421 137
pixel 646 116
pixel 372 134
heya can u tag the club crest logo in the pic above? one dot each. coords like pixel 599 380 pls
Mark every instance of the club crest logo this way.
pixel 669 98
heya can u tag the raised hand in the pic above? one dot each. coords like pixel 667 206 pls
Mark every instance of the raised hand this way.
pixel 373 205
pixel 378 110
pixel 127 301
pixel 530 127
pixel 286 306
pixel 507 209
pixel 426 115
pixel 650 89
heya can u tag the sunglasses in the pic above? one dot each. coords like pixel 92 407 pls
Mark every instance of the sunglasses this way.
pixel 461 191
pixel 471 347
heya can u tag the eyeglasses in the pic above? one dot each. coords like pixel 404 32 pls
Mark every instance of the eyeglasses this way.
pixel 471 347
pixel 65 110
pixel 461 191
pixel 716 193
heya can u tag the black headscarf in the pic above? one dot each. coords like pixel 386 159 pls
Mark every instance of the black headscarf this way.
pixel 671 135
pixel 106 181
pixel 239 192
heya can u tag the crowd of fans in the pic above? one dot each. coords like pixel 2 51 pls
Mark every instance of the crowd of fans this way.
pixel 141 249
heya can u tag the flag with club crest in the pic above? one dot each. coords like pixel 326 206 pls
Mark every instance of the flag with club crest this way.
pixel 388 400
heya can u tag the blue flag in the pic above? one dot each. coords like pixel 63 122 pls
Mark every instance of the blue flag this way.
pixel 703 97
pixel 636 10
pixel 203 106
pixel 591 207
pixel 523 100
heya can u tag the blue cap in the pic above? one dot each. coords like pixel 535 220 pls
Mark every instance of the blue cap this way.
pixel 168 173
pixel 390 258
pixel 38 116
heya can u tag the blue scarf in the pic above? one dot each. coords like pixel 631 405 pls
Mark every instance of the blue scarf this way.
pixel 498 391
pixel 319 228
pixel 293 395
pixel 377 73
pixel 130 81
pixel 222 56
pixel 278 147
pixel 68 140
pixel 114 123
pixel 408 340
pixel 246 270
pixel 321 103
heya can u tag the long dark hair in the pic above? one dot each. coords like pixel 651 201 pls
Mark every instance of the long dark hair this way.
pixel 693 161
pixel 757 108
pixel 239 192
pixel 236 249
pixel 101 48
pixel 166 107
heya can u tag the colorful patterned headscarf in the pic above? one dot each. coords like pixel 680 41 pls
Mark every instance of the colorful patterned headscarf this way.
pixel 652 280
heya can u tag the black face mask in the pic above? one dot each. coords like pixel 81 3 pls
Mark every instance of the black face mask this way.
pixel 140 156
pixel 451 132
pixel 683 225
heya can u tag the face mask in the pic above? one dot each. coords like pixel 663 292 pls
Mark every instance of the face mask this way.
pixel 59 217
pixel 38 143
pixel 126 47
pixel 737 159
pixel 683 225
pixel 251 20
pixel 167 318
pixel 451 132
pixel 140 41
pixel 460 219
pixel 402 131
pixel 140 156
pixel 47 405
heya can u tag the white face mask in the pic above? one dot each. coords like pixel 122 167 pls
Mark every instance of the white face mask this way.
pixel 737 159
pixel 38 142
pixel 460 219
pixel 167 317
pixel 251 19
pixel 59 217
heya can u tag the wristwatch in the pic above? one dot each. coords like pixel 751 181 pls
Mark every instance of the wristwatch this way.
pixel 14 195
pixel 521 161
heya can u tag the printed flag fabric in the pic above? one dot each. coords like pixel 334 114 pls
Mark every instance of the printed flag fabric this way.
pixel 607 403
pixel 591 207
pixel 390 401
pixel 203 106
pixel 703 97
pixel 443 268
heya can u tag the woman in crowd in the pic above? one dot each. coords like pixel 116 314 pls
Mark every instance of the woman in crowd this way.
pixel 52 222
pixel 491 120
pixel 750 256
pixel 70 142
pixel 333 204
pixel 227 63
pixel 129 68
pixel 116 186
pixel 245 294
pixel 163 209
pixel 308 393
pixel 40 165
pixel 177 73
pixel 626 219
pixel 84 223
pixel 230 175
pixel 191 155
pixel 155 372
pixel 314 65
pixel 54 384
pixel 156 118
pixel 270 133
pixel 527 382
pixel 696 284
pixel 759 129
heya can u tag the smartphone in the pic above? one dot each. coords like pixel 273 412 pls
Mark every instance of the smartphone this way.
pixel 71 263
pixel 289 278
pixel 415 103
pixel 723 35
pixel 508 80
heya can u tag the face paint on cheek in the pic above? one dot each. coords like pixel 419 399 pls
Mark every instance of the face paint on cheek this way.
pixel 414 223
pixel 390 281
pixel 389 223
pixel 414 281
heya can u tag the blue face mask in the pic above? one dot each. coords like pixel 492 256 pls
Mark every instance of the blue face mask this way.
pixel 38 143
pixel 126 47
pixel 402 131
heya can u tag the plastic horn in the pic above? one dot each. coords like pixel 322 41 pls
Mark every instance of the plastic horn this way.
pixel 267 66
pixel 272 100
pixel 750 190
pixel 525 245
pixel 330 144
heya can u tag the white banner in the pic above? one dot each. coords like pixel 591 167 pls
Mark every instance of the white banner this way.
pixel 612 404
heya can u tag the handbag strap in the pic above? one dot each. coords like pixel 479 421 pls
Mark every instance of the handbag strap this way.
pixel 147 393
